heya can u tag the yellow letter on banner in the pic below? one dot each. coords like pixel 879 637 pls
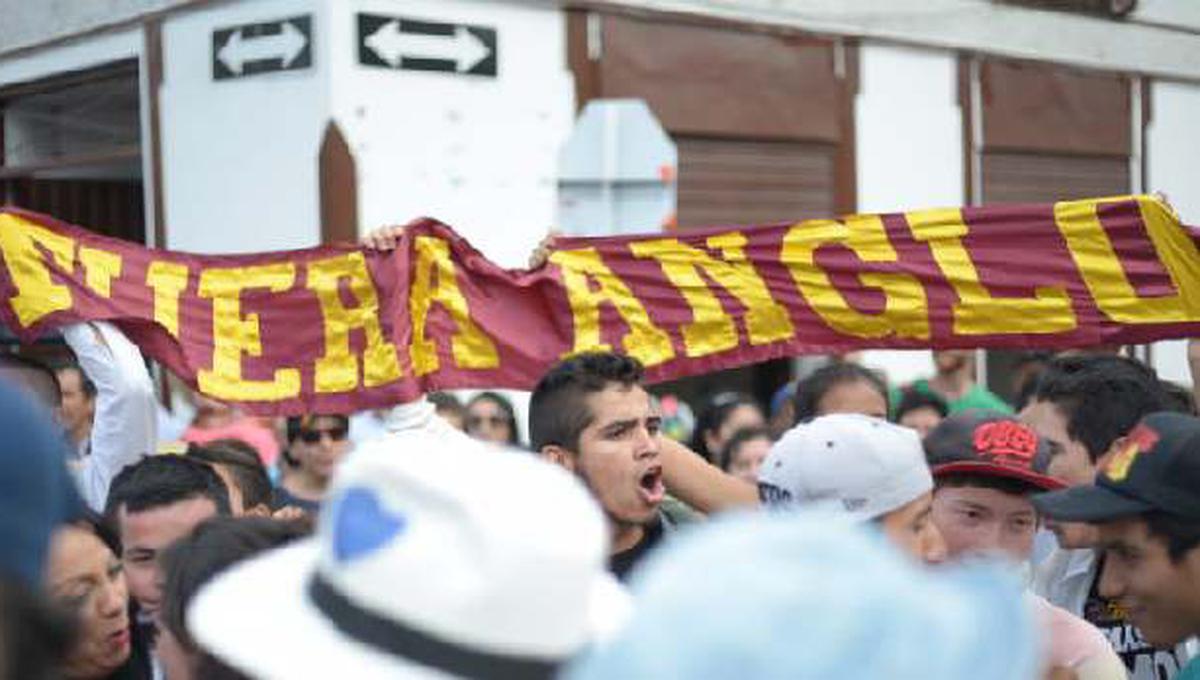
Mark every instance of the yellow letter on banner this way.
pixel 337 371
pixel 712 329
pixel 904 314
pixel 233 334
pixel 168 280
pixel 471 347
pixel 1105 277
pixel 37 295
pixel 977 312
pixel 100 268
pixel 644 341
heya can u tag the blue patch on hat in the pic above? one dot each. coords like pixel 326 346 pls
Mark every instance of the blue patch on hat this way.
pixel 362 524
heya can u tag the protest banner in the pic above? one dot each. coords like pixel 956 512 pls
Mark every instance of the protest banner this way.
pixel 337 329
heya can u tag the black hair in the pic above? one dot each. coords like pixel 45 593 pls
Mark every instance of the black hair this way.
pixel 1102 397
pixel 713 417
pixel 811 390
pixel 746 434
pixel 244 466
pixel 1006 485
pixel 1179 398
pixel 35 635
pixel 445 401
pixel 558 411
pixel 504 405
pixel 32 375
pixel 213 546
pixel 209 549
pixel 297 424
pixel 85 383
pixel 163 480
pixel 1182 535
pixel 912 399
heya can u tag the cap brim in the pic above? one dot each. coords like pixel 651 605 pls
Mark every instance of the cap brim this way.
pixel 1088 504
pixel 1039 481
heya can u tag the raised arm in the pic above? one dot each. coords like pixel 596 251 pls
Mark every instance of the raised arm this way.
pixel 704 487
pixel 124 426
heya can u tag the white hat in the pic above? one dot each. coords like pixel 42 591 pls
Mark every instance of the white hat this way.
pixel 436 556
pixel 863 466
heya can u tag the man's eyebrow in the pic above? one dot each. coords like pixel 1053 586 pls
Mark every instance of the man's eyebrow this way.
pixel 618 425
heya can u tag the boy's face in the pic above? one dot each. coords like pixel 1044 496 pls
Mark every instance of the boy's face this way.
pixel 1161 597
pixel 980 521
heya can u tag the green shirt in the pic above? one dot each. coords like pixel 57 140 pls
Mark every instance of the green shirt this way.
pixel 976 398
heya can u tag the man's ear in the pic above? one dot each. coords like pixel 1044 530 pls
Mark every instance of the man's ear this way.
pixel 556 454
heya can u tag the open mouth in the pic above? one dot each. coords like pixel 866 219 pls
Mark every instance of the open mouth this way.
pixel 651 486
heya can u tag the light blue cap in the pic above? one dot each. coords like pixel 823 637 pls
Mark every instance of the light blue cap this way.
pixel 813 596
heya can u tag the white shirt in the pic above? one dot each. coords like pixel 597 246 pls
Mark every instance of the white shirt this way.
pixel 123 428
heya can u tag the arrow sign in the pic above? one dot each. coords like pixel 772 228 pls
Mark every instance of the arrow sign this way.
pixel 412 45
pixel 283 45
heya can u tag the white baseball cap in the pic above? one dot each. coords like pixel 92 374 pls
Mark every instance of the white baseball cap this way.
pixel 436 556
pixel 858 465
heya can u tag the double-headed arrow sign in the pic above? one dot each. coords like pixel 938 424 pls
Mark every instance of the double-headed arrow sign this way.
pixel 407 44
pixel 283 45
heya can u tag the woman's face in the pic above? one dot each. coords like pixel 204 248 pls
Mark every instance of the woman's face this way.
pixel 486 420
pixel 741 417
pixel 321 446
pixel 86 577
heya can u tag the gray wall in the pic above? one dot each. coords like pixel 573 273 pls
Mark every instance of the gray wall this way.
pixel 26 23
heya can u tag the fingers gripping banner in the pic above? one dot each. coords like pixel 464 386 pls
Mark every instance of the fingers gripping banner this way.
pixel 341 329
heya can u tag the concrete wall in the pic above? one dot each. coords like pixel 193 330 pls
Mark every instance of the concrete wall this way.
pixel 909 142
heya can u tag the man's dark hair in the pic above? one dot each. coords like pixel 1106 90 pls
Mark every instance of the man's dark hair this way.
pixel 212 547
pixel 244 466
pixel 811 390
pixel 1181 535
pixel 445 401
pixel 1179 398
pixel 912 399
pixel 1007 485
pixel 85 383
pixel 164 480
pixel 1102 397
pixel 558 411
pixel 747 434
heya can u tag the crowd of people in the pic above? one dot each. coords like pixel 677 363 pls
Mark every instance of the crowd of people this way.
pixel 846 528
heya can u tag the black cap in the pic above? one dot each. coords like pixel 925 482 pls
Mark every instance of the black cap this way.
pixel 1158 470
pixel 990 444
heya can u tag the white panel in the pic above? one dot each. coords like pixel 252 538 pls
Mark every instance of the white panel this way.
pixel 1173 156
pixel 240 155
pixel 909 142
pixel 478 153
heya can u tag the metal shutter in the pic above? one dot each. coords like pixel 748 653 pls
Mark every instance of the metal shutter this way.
pixel 734 181
pixel 1041 178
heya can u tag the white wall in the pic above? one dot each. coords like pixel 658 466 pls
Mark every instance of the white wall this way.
pixel 477 153
pixel 240 155
pixel 909 140
pixel 1173 156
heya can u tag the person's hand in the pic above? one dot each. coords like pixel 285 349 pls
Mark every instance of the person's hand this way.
pixel 385 238
pixel 541 253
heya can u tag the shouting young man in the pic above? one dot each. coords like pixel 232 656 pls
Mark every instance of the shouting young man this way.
pixel 590 414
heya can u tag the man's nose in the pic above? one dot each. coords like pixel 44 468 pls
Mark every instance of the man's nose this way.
pixel 1112 580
